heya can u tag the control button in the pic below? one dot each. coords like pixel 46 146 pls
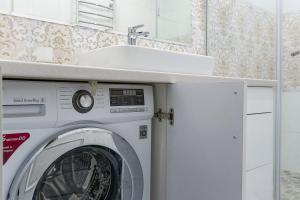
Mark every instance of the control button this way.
pixel 143 132
pixel 83 101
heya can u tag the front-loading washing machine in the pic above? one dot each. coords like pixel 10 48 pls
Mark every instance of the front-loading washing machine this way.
pixel 76 141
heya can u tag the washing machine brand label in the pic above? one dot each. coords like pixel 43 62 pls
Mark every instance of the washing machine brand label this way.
pixel 11 142
pixel 29 100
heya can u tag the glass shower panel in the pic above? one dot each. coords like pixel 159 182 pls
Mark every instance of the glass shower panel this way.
pixel 290 135
pixel 241 36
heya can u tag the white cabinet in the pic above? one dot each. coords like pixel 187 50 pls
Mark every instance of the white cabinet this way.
pixel 260 144
pixel 205 144
pixel 260 140
pixel 259 184
pixel 260 100
pixel 221 143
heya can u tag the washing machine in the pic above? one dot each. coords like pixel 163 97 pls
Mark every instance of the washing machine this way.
pixel 76 141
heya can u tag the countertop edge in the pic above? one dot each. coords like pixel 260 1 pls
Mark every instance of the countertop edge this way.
pixel 49 71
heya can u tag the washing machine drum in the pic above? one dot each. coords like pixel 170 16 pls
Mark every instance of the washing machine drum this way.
pixel 82 164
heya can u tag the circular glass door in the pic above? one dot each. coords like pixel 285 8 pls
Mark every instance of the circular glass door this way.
pixel 80 164
pixel 84 173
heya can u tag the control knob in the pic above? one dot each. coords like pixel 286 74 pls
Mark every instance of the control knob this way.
pixel 83 101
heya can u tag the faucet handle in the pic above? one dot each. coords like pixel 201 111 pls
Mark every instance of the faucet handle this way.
pixel 138 26
pixel 144 34
pixel 134 28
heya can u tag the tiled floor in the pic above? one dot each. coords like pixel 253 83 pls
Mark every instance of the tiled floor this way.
pixel 290 185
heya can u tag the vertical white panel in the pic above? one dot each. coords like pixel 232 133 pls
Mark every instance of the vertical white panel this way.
pixel 260 140
pixel 158 167
pixel 205 145
pixel 260 100
pixel 259 184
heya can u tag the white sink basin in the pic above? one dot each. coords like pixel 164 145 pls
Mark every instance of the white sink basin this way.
pixel 147 59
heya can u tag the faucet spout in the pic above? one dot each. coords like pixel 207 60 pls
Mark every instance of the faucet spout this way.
pixel 133 34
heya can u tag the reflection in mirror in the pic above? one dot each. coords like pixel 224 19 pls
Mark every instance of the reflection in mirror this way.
pixel 164 19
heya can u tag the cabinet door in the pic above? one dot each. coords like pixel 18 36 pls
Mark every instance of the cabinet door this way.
pixel 205 144
pixel 260 140
pixel 259 185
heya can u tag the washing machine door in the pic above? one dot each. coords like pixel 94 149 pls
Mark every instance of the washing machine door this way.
pixel 82 164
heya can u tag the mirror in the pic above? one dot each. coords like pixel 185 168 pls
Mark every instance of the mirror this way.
pixel 165 19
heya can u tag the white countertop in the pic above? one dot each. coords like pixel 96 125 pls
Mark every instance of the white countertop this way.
pixel 45 71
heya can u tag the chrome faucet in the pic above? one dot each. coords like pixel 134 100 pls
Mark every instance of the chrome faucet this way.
pixel 133 34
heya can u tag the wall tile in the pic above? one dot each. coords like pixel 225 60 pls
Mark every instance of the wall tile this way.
pixel 242 38
pixel 291 43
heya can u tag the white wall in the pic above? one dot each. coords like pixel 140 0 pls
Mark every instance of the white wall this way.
pixel 291 5
pixel 5 6
pixel 55 10
pixel 291 131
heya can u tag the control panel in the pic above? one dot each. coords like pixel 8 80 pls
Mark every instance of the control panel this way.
pixel 126 97
pixel 47 103
pixel 121 102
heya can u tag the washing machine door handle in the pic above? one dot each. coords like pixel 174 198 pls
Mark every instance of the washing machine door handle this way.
pixel 37 166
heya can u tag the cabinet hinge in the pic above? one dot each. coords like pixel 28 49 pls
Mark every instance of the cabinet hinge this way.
pixel 160 115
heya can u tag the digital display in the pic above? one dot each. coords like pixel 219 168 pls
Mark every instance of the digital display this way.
pixel 126 97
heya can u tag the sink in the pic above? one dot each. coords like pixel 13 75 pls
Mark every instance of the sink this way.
pixel 148 59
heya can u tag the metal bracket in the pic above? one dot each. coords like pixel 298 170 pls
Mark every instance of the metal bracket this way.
pixel 93 85
pixel 160 115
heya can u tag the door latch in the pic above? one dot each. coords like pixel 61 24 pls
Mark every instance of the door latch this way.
pixel 93 85
pixel 160 115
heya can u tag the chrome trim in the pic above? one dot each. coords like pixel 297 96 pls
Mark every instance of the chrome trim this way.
pixel 94 23
pixel 89 134
pixel 278 121
pixel 95 4
pixel 96 14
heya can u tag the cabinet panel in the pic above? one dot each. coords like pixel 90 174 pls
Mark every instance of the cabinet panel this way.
pixel 259 183
pixel 260 99
pixel 260 140
pixel 205 144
